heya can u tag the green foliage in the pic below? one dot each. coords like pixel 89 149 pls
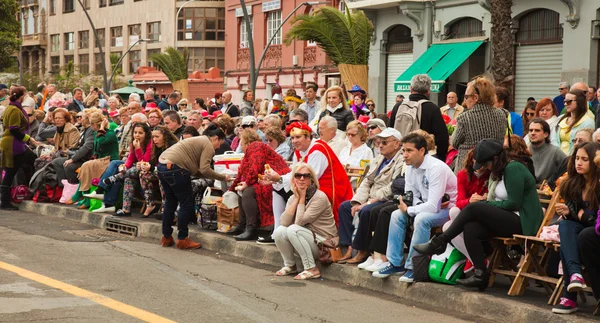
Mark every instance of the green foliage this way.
pixel 344 37
pixel 114 59
pixel 173 63
pixel 10 28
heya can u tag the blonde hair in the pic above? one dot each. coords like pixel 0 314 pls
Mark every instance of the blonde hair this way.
pixel 486 91
pixel 313 176
pixel 112 98
pixel 362 133
pixel 340 93
pixel 96 117
pixel 428 137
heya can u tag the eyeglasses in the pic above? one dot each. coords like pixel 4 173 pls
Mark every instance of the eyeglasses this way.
pixel 78 117
pixel 261 120
pixel 562 88
pixel 370 104
pixel 372 127
pixel 270 140
pixel 246 126
pixel 352 135
pixel 30 114
pixel 530 114
pixel 383 143
pixel 568 101
pixel 469 96
pixel 577 140
pixel 302 175
pixel 153 117
pixel 183 105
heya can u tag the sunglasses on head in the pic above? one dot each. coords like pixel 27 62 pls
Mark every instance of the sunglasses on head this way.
pixel 302 175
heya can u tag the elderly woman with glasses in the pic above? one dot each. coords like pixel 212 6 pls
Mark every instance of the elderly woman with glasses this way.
pixel 574 119
pixel 307 219
pixel 276 140
pixel 155 117
pixel 182 104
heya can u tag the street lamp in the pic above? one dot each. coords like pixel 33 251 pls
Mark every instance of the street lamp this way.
pixel 114 71
pixel 177 19
pixel 254 71
pixel 98 43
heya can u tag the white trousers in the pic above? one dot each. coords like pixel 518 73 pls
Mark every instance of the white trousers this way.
pixel 298 240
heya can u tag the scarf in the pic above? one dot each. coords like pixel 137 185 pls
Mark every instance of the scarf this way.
pixel 332 110
pixel 18 105
pixel 492 190
pixel 310 192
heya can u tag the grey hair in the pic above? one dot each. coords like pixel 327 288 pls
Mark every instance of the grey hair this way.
pixel 149 94
pixel 196 112
pixel 564 84
pixel 139 117
pixel 275 120
pixel 299 112
pixel 329 122
pixel 135 97
pixel 420 83
pixel 597 132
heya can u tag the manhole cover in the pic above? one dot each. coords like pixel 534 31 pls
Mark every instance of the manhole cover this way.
pixel 101 235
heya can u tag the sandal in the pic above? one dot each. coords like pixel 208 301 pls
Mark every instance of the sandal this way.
pixel 120 212
pixel 286 271
pixel 307 275
pixel 154 211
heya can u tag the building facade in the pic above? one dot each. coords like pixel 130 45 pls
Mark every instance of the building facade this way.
pixel 554 41
pixel 144 27
pixel 289 66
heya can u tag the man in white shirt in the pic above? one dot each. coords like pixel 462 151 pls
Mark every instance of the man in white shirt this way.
pixel 452 108
pixel 429 179
pixel 312 105
pixel 335 138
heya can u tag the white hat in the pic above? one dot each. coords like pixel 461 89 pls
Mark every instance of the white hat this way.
pixel 277 97
pixel 377 122
pixel 390 132
pixel 248 120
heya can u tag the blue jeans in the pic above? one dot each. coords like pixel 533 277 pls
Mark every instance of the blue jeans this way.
pixel 569 252
pixel 346 228
pixel 423 224
pixel 112 193
pixel 177 186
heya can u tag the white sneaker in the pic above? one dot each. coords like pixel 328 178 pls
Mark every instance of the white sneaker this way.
pixel 367 263
pixel 94 196
pixel 377 265
pixel 104 209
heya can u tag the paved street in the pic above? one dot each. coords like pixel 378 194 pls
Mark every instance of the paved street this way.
pixel 53 269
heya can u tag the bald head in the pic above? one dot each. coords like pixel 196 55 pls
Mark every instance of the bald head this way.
pixel 580 86
pixel 451 99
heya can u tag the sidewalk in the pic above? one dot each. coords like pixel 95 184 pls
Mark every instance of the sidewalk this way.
pixel 493 305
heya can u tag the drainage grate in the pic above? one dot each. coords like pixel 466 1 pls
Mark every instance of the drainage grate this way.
pixel 122 228
pixel 100 235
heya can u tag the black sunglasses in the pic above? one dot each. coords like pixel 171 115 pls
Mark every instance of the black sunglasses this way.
pixel 245 126
pixel 372 127
pixel 302 175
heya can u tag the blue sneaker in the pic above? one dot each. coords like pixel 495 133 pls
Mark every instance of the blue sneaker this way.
pixel 388 271
pixel 409 277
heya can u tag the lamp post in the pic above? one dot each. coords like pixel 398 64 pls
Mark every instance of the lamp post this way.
pixel 254 71
pixel 177 19
pixel 99 44
pixel 114 71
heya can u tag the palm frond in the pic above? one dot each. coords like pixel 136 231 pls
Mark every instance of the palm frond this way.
pixel 173 63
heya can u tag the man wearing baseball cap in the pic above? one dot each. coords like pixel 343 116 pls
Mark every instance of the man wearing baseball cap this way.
pixel 374 127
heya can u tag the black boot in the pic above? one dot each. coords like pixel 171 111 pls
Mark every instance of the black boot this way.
pixel 5 199
pixel 237 230
pixel 480 279
pixel 435 246
pixel 248 234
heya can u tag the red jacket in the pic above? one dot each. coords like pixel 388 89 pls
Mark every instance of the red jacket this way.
pixel 467 188
pixel 137 155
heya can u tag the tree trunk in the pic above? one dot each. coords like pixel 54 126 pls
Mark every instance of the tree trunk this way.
pixel 503 58
pixel 182 85
pixel 355 75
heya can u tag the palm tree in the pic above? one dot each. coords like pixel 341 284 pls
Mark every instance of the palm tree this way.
pixel 344 37
pixel 175 66
pixel 503 59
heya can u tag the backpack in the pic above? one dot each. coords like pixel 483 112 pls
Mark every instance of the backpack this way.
pixel 408 116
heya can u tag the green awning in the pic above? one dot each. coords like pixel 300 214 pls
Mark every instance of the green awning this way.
pixel 439 62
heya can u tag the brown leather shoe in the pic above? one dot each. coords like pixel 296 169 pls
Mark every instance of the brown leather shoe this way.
pixel 188 244
pixel 167 242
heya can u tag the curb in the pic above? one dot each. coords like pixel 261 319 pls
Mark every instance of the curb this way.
pixel 445 298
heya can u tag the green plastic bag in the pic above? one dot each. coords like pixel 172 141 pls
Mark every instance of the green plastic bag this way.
pixel 94 203
pixel 447 267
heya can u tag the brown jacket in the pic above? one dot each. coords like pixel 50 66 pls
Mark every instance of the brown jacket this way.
pixel 379 186
pixel 68 139
pixel 316 216
pixel 194 154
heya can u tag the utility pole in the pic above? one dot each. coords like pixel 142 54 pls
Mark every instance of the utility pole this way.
pixel 177 19
pixel 114 71
pixel 253 75
pixel 106 85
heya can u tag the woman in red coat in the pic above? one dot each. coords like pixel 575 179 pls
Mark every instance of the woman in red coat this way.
pixel 256 200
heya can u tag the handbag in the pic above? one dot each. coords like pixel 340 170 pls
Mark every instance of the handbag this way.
pixel 227 217
pixel 329 250
pixel 207 217
pixel 447 267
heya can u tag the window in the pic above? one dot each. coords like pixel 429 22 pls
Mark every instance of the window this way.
pixel 540 26
pixel 342 7
pixel 86 4
pixel 84 39
pixel 55 43
pixel 84 64
pixel 68 6
pixel 273 22
pixel 55 63
pixel 52 7
pixel 201 59
pixel 149 54
pixel 116 2
pixel 69 41
pixel 399 40
pixel 114 58
pixel 153 34
pixel 244 34
pixel 135 60
pixel 103 3
pixel 116 36
pixel 201 24
pixel 135 31
pixel 101 38
pixel 466 27
pixel 69 58
pixel 98 63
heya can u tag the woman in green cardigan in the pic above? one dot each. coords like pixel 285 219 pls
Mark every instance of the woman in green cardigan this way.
pixel 15 153
pixel 512 207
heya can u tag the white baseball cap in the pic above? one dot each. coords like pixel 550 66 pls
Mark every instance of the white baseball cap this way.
pixel 248 120
pixel 390 132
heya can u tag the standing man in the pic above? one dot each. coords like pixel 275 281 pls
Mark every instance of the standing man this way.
pixel 592 99
pixel 228 107
pixel 39 97
pixel 452 109
pixel 176 166
pixel 170 103
pixel 546 158
pixel 559 100
pixel 148 97
pixel 399 98
pixel 311 105
pixel 216 103
pixel 431 117
pixel 77 104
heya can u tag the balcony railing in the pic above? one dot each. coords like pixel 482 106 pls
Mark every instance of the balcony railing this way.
pixel 30 3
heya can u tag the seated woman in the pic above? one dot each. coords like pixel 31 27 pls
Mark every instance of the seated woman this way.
pixel 307 217
pixel 471 187
pixel 580 190
pixel 106 149
pixel 512 207
pixel 67 134
pixel 256 201
pixel 276 140
pixel 358 150
pixel 47 129
pixel 155 117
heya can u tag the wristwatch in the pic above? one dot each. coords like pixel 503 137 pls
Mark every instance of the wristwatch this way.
pixel 280 181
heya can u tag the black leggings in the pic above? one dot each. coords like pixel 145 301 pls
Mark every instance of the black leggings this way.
pixel 589 244
pixel 480 222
